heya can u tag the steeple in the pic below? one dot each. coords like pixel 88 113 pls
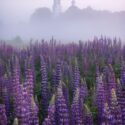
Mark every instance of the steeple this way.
pixel 57 7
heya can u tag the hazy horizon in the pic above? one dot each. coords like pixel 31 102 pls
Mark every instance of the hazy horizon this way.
pixel 15 19
pixel 22 9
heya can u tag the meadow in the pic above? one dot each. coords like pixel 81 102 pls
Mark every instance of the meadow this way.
pixel 51 83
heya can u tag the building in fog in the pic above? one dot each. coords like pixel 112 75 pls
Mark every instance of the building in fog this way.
pixel 57 7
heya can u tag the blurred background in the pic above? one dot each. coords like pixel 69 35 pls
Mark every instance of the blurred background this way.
pixel 65 20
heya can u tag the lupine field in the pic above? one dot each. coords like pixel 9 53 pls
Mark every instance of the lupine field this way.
pixel 51 83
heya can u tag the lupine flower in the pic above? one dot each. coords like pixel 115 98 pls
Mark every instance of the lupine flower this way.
pixel 16 88
pixel 44 86
pixel 76 109
pixel 6 101
pixel 47 121
pixel 62 112
pixel 115 109
pixel 120 91
pixel 28 104
pixel 29 82
pixel 24 112
pixel 18 97
pixel 100 99
pixel 54 81
pixel 69 82
pixel 66 94
pixel 34 114
pixel 85 65
pixel 65 71
pixel 23 118
pixel 50 119
pixel 1 86
pixel 58 73
pixel 83 90
pixel 122 104
pixel 6 94
pixel 97 71
pixel 111 78
pixel 76 75
pixel 107 116
pixel 3 117
pixel 122 75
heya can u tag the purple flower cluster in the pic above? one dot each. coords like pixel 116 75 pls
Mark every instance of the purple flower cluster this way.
pixel 51 83
pixel 62 112
pixel 109 99
pixel 44 85
pixel 3 118
pixel 77 109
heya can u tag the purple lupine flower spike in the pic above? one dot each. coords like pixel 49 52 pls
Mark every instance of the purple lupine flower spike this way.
pixel 50 119
pixel 107 116
pixel 54 81
pixel 16 88
pixel 6 95
pixel 76 75
pixel 35 113
pixel 100 99
pixel 76 109
pixel 58 72
pixel 122 75
pixel 3 117
pixel 115 109
pixel 23 114
pixel 47 121
pixel 83 89
pixel 66 94
pixel 44 86
pixel 23 118
pixel 29 84
pixel 111 78
pixel 122 104
pixel 120 92
pixel 62 112
pixel 6 102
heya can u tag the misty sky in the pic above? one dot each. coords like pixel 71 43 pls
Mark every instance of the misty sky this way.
pixel 22 9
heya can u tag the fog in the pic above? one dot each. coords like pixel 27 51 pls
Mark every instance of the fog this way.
pixel 75 22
